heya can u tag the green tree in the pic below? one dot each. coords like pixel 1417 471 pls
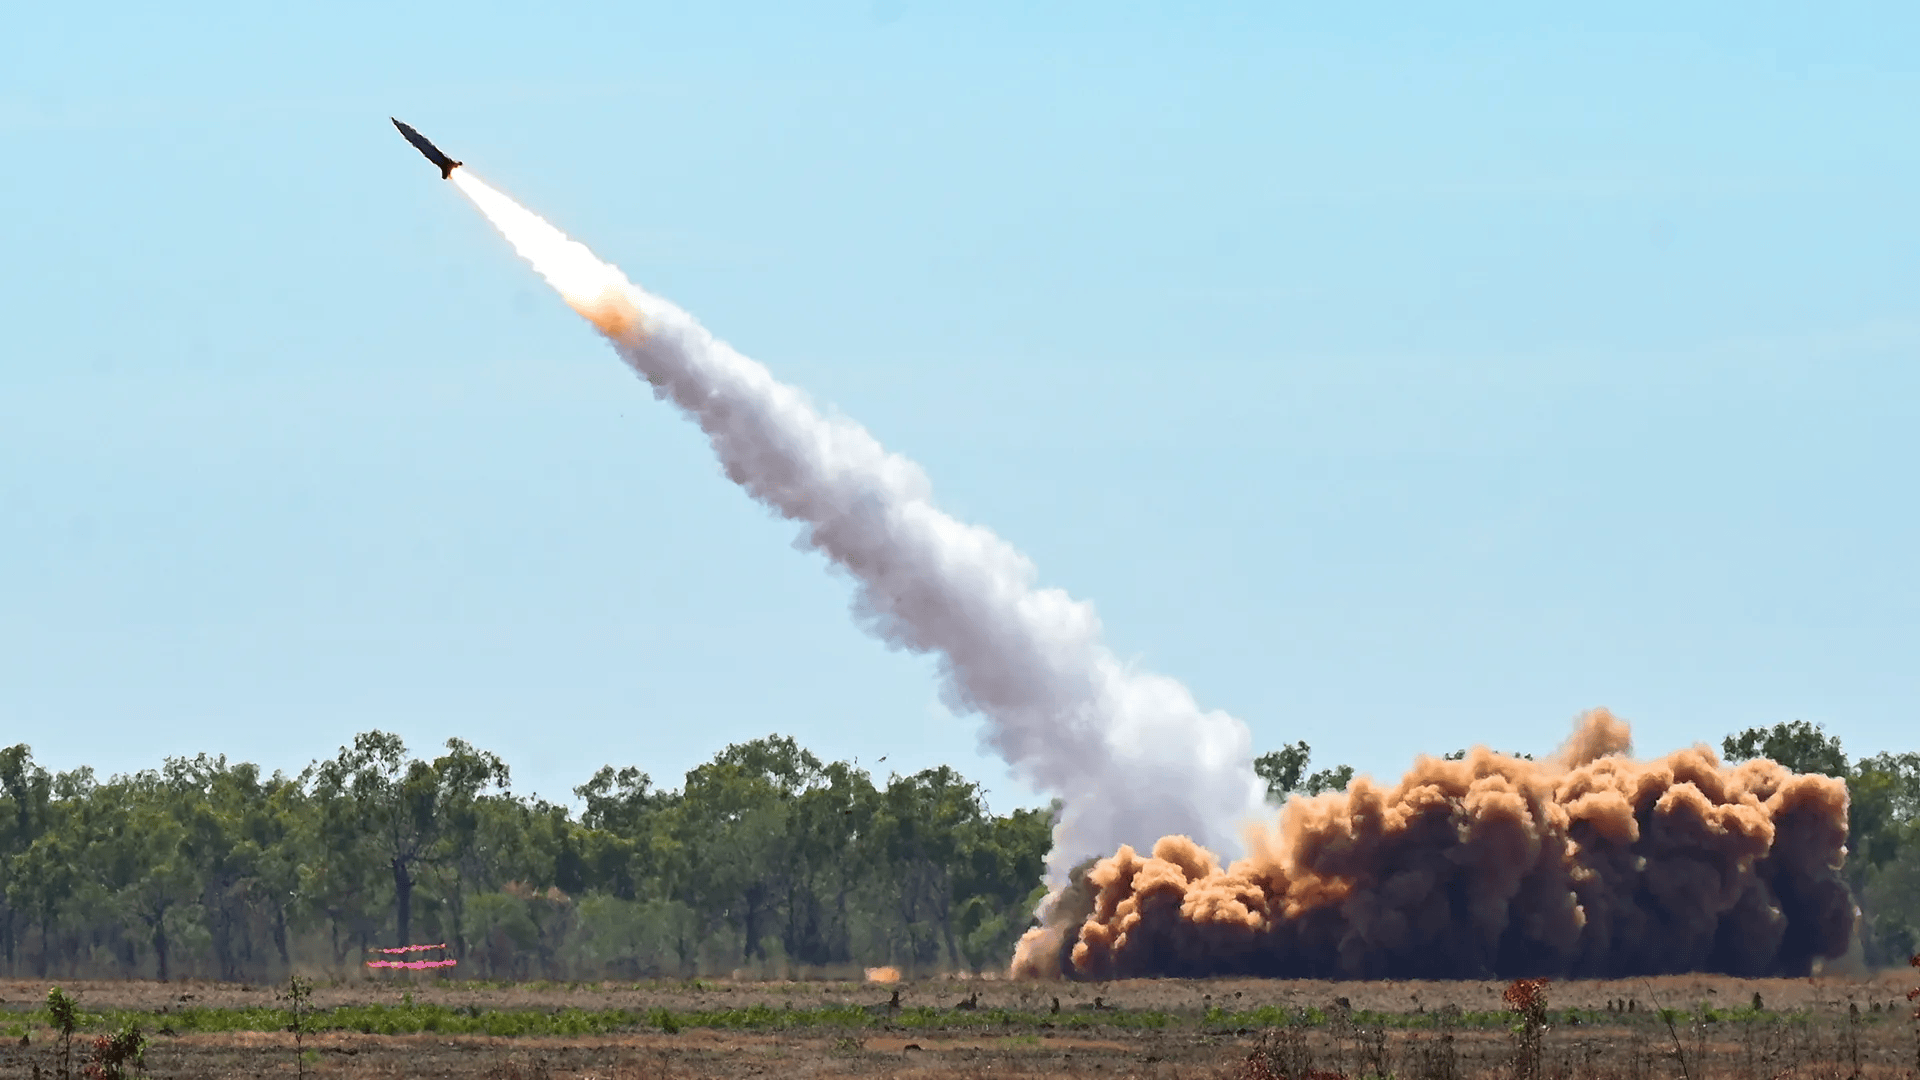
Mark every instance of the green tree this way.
pixel 1282 769
pixel 927 822
pixel 1884 863
pixel 619 843
pixel 336 882
pixel 1325 780
pixel 1884 802
pixel 502 841
pixel 48 879
pixel 406 813
pixel 997 882
pixel 1285 771
pixel 619 802
pixel 140 845
pixel 1799 745
pixel 26 791
pixel 835 854
pixel 729 830
pixel 237 826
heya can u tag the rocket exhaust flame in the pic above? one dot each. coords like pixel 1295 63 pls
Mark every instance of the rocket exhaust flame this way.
pixel 1129 753
pixel 1587 864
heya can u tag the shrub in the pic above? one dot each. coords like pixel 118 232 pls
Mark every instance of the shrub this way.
pixel 65 1012
pixel 113 1057
pixel 1527 998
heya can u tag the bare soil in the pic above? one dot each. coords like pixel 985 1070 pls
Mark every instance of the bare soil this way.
pixel 1166 995
pixel 1876 1043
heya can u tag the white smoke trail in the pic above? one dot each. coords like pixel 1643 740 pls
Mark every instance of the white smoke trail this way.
pixel 1129 753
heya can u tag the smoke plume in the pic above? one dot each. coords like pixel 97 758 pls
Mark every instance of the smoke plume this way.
pixel 1129 753
pixel 1586 864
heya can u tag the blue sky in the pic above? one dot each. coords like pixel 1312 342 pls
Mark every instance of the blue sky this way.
pixel 1397 380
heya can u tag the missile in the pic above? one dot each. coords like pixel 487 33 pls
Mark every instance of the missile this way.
pixel 445 164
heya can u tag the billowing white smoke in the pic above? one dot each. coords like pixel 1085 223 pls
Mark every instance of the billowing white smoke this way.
pixel 1129 753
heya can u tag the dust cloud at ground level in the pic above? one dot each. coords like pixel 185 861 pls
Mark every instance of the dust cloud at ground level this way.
pixel 1589 863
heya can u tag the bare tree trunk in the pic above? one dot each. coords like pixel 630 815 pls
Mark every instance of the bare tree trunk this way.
pixel 749 928
pixel 280 935
pixel 455 910
pixel 843 930
pixel 403 901
pixel 220 925
pixel 160 945
pixel 943 908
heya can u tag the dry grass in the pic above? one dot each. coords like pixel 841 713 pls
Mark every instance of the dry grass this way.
pixel 1810 1029
pixel 1819 994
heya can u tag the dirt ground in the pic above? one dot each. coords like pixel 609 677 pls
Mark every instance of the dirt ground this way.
pixel 1877 1044
pixel 1167 995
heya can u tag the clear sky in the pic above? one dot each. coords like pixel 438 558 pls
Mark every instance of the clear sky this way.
pixel 1397 380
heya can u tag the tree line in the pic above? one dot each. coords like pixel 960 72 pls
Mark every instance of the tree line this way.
pixel 765 858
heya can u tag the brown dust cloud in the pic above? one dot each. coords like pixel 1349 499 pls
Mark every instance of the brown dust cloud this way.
pixel 1587 864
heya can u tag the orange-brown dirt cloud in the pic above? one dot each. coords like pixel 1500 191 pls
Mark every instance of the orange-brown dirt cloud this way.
pixel 1586 864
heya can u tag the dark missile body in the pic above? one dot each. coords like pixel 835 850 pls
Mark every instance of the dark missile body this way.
pixel 445 164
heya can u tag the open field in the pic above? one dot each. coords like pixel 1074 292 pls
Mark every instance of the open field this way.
pixel 1802 1028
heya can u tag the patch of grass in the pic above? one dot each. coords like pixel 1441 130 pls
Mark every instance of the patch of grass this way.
pixel 411 1017
pixel 1016 1042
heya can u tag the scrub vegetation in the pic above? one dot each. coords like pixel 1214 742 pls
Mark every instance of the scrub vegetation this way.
pixel 1681 1027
